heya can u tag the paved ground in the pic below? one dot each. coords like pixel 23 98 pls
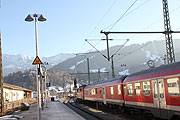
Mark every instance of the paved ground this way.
pixel 55 111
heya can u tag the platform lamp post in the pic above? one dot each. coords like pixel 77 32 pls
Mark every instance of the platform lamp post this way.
pixel 37 17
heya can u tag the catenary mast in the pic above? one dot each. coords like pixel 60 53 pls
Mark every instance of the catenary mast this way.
pixel 168 34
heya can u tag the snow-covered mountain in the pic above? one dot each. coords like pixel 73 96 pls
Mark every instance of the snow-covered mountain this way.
pixel 20 62
pixel 134 57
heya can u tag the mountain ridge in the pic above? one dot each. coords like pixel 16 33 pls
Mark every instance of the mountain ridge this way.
pixel 20 62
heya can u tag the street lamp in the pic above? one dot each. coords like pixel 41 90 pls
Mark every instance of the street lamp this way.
pixel 30 18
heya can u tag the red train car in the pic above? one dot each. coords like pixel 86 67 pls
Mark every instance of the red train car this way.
pixel 156 90
pixel 80 93
pixel 110 91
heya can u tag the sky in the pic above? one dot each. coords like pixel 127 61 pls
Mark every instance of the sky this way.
pixel 70 22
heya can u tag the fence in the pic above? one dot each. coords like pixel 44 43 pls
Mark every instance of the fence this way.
pixel 13 105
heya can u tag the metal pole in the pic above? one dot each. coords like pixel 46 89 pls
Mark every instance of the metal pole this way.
pixel 89 79
pixel 63 81
pixel 38 81
pixel 42 91
pixel 1 83
pixel 63 87
pixel 160 32
pixel 107 46
pixel 112 66
pixel 99 76
pixel 45 87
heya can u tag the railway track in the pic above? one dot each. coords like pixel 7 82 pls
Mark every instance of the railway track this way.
pixel 90 113
pixel 84 113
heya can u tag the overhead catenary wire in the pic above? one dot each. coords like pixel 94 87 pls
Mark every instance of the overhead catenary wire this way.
pixel 113 24
pixel 84 57
pixel 129 53
pixel 124 15
pixel 137 7
pixel 130 12
pixel 125 55
pixel 120 47
pixel 95 48
pixel 120 17
pixel 102 18
pixel 160 19
pixel 101 22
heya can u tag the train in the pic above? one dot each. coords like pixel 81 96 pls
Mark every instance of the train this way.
pixel 155 91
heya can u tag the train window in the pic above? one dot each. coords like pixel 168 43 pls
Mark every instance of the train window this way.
pixel 155 90
pixel 119 89
pixel 124 86
pixel 130 89
pixel 112 91
pixel 96 90
pixel 137 88
pixel 173 86
pixel 161 89
pixel 90 92
pixel 146 88
pixel 85 92
pixel 100 91
pixel 93 91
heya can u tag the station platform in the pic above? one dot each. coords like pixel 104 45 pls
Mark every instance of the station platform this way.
pixel 55 111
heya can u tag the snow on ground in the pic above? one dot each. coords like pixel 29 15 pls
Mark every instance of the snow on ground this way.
pixel 125 72
pixel 102 70
pixel 74 66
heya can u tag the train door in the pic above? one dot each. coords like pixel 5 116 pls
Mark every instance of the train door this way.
pixel 159 97
pixel 104 95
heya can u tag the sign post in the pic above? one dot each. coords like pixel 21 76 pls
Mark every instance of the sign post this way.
pixel 37 62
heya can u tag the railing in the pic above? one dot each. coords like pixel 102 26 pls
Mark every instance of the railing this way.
pixel 13 105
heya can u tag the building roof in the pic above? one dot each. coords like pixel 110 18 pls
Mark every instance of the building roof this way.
pixel 14 87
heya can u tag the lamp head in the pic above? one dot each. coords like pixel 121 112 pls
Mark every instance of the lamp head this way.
pixel 29 18
pixel 41 18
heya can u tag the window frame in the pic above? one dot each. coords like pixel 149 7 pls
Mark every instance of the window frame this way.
pixel 100 91
pixel 125 89
pixel 137 89
pixel 178 86
pixel 119 89
pixel 147 87
pixel 131 90
pixel 112 90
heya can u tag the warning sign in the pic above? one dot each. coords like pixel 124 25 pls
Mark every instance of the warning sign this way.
pixel 37 61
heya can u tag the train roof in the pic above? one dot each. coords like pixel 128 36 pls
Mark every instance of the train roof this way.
pixel 106 82
pixel 163 70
